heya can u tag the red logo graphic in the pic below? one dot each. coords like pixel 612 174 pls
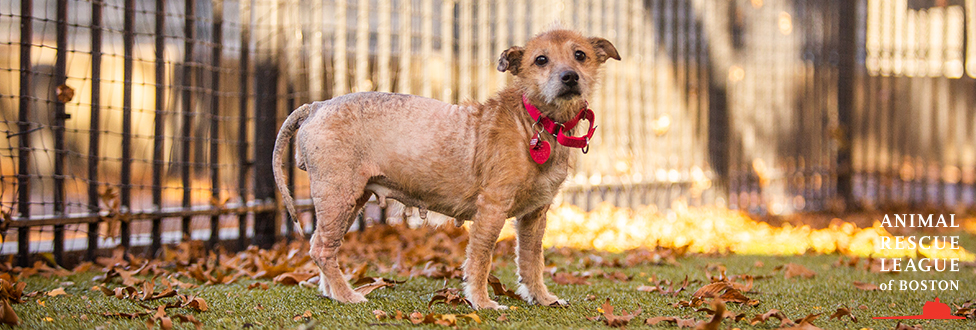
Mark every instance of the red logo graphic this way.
pixel 933 310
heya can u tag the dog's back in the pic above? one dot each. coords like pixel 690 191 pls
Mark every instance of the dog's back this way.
pixel 420 147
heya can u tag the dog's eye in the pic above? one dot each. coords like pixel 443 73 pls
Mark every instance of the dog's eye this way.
pixel 541 60
pixel 580 56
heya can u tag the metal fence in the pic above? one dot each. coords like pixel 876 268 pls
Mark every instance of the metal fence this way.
pixel 146 122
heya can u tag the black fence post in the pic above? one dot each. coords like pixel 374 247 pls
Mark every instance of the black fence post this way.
pixel 95 132
pixel 60 76
pixel 187 98
pixel 24 130
pixel 159 122
pixel 125 197
pixel 218 22
pixel 265 132
pixel 846 74
pixel 244 163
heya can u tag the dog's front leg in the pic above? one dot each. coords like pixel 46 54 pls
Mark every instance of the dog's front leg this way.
pixel 529 230
pixel 486 226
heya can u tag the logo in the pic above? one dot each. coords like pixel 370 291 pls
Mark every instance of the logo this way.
pixel 933 310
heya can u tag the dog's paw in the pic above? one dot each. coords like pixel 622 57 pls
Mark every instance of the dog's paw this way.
pixel 491 304
pixel 559 303
pixel 352 298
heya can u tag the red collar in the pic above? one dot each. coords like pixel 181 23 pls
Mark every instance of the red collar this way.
pixel 558 129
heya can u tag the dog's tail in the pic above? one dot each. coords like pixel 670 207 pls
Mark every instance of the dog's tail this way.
pixel 287 132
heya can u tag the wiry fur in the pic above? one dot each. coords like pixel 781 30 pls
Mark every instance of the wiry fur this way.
pixel 470 162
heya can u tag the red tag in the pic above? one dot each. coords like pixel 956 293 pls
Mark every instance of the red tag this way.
pixel 539 150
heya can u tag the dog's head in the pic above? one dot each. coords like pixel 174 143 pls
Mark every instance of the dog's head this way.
pixel 558 67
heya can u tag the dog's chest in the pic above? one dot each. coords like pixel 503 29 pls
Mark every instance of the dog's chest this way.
pixel 540 189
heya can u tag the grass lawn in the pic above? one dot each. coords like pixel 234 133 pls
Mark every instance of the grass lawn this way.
pixel 234 306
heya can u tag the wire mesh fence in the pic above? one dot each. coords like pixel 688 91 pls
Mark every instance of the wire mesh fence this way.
pixel 145 122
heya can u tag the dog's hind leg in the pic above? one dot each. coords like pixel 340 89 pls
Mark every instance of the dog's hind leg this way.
pixel 529 230
pixel 337 202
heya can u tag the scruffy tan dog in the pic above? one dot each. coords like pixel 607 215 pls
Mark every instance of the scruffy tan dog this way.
pixel 481 162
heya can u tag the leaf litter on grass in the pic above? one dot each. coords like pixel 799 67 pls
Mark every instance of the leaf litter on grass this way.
pixel 432 253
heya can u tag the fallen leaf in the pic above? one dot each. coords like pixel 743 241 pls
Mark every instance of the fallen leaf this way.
pixel 184 318
pixel 292 278
pixel 473 316
pixel 617 320
pixel 783 320
pixel 502 318
pixel 195 303
pixel 379 314
pixel 680 322
pixel 807 319
pixel 500 290
pixel 794 270
pixel 450 296
pixel 255 285
pixel 865 286
pixel 841 312
pixel 7 314
pixel 307 314
pixel 725 291
pixel 719 314
pixel 57 292
pixel 565 278
pixel 368 284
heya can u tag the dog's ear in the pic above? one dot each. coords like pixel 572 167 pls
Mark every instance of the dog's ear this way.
pixel 510 59
pixel 604 49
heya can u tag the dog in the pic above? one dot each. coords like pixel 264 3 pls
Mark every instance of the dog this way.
pixel 483 163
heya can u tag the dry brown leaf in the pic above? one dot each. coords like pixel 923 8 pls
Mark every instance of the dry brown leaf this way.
pixel 194 302
pixel 718 315
pixel 189 318
pixel 7 314
pixel 307 314
pixel 679 322
pixel 843 311
pixel 450 296
pixel 368 284
pixel 722 290
pixel 807 319
pixel 617 320
pixel 57 292
pixel 865 286
pixel 648 288
pixel 293 278
pixel 500 290
pixel 11 290
pixel 380 314
pixel 255 285
pixel 794 270
pixel 783 320
pixel 502 318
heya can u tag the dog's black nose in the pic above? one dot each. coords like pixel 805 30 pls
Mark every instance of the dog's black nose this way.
pixel 569 77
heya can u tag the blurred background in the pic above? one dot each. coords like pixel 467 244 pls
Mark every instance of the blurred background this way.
pixel 146 122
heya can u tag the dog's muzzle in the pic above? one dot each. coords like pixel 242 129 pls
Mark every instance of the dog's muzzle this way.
pixel 570 84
